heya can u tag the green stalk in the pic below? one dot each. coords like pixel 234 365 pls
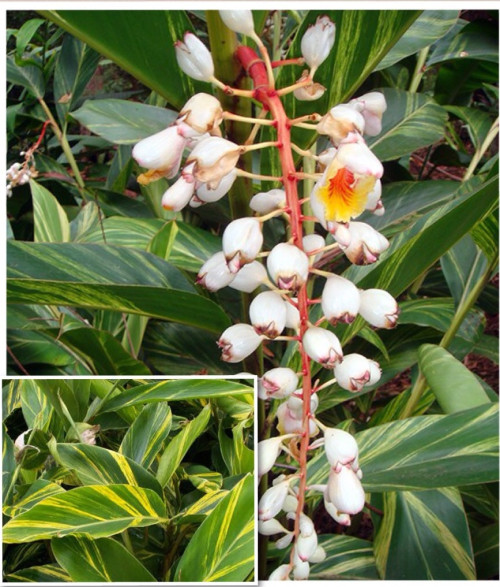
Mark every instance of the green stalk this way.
pixel 223 44
pixel 418 74
pixel 61 137
pixel 490 137
pixel 464 307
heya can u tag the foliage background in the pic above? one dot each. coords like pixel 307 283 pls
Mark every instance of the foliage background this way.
pixel 100 279
pixel 125 480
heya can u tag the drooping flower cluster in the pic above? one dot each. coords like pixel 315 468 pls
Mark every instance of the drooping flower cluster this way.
pixel 347 183
pixel 18 174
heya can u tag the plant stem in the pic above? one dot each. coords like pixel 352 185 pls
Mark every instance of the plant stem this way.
pixel 419 70
pixel 490 137
pixel 464 307
pixel 61 137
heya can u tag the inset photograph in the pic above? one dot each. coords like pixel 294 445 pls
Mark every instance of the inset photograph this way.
pixel 128 480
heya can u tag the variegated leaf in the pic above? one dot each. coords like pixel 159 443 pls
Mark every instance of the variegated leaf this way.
pixel 200 509
pixel 109 278
pixel 38 491
pixel 226 539
pixel 39 574
pixel 410 122
pixel 144 439
pixel 95 465
pixel 101 560
pixel 179 445
pixel 99 511
pixel 347 558
pixel 51 221
pixel 176 390
pixel 426 452
pixel 432 526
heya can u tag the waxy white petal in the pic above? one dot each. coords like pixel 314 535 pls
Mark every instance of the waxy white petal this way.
pixel 268 314
pixel 237 342
pixel 322 346
pixel 288 266
pixel 379 308
pixel 194 58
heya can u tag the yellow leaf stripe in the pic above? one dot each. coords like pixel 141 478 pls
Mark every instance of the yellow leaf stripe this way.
pixel 101 510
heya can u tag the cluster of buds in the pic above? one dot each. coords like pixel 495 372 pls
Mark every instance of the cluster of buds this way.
pixel 18 174
pixel 346 184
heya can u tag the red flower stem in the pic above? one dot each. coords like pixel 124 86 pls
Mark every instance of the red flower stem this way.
pixel 269 97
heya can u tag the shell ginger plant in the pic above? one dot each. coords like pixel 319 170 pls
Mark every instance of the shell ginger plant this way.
pixel 346 184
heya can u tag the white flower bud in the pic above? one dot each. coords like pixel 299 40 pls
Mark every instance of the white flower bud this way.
pixel 194 58
pixel 311 243
pixel 372 106
pixel 20 441
pixel 353 373
pixel 269 450
pixel 292 316
pixel 379 308
pixel 341 448
pixel 239 21
pixel 340 518
pixel 281 573
pixel 161 152
pixel 201 114
pixel 271 502
pixel 249 277
pixel 288 266
pixel 265 202
pixel 306 525
pixel 214 273
pixel 241 242
pixel 284 541
pixel 345 491
pixel 326 157
pixel 179 193
pixel 278 383
pixel 290 504
pixel 290 414
pixel 268 314
pixel 366 244
pixel 374 203
pixel 237 342
pixel 318 555
pixel 300 567
pixel 322 346
pixel 214 158
pixel 339 122
pixel 375 372
pixel 306 545
pixel 270 527
pixel 208 194
pixel 340 300
pixel 317 42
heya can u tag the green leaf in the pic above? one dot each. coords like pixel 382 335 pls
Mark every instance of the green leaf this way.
pixel 463 266
pixel 426 452
pixel 180 444
pixel 51 222
pixel 454 386
pixel 485 542
pixel 27 76
pixel 347 558
pixel 175 390
pixel 94 465
pixel 37 491
pixel 37 411
pixel 86 220
pixel 39 574
pixel 410 122
pixel 199 510
pixel 237 456
pixel 427 241
pixel 9 465
pixel 476 40
pixel 478 122
pixel 99 511
pixel 123 122
pixel 26 33
pixel 431 525
pixel 430 26
pixel 101 560
pixel 222 549
pixel 141 42
pixel 485 235
pixel 438 313
pixel 110 278
pixel 76 64
pixel 99 350
pixel 144 439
